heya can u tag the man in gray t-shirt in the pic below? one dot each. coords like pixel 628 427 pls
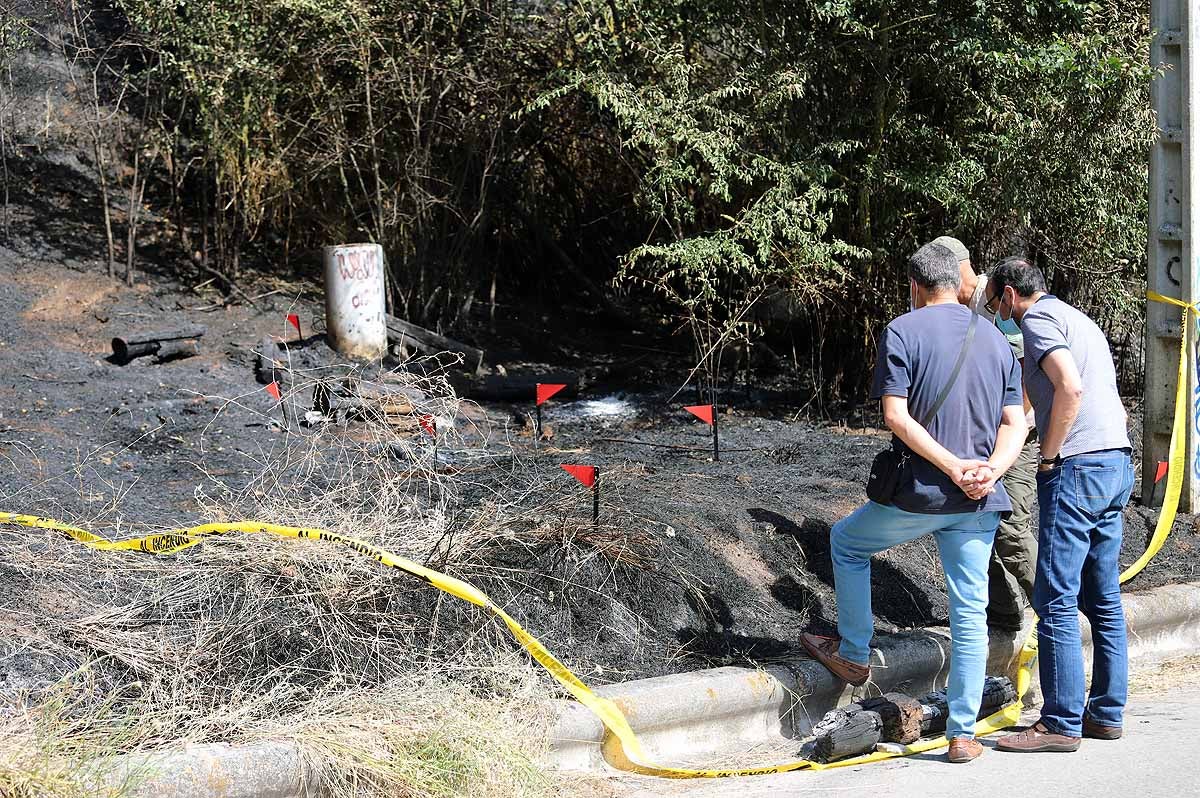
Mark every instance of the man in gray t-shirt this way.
pixel 1083 482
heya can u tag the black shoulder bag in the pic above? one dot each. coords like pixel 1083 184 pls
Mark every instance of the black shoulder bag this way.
pixel 892 468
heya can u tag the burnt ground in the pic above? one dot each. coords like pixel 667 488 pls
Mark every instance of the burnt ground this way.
pixel 717 562
pixel 695 562
pixel 755 528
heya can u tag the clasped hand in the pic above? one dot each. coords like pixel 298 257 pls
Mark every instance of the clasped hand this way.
pixel 974 477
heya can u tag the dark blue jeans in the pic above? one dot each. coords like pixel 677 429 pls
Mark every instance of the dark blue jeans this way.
pixel 1079 539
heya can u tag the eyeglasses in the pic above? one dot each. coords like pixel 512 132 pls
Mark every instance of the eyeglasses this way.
pixel 994 300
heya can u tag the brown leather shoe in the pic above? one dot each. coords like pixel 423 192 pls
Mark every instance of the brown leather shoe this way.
pixel 1037 739
pixel 825 651
pixel 1095 731
pixel 964 749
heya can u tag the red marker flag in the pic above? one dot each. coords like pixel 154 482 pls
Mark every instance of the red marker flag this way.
pixel 583 473
pixel 294 320
pixel 702 412
pixel 1161 472
pixel 429 424
pixel 545 391
pixel 273 389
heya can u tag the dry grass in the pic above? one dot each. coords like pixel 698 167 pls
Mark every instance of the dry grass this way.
pixel 1166 677
pixel 58 745
pixel 389 687
pixel 426 736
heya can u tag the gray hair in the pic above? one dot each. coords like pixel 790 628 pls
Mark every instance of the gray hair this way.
pixel 935 267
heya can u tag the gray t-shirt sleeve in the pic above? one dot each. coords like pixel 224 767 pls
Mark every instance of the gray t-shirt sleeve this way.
pixel 892 377
pixel 1043 334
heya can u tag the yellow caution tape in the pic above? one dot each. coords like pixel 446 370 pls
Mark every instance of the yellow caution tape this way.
pixel 1177 466
pixel 621 746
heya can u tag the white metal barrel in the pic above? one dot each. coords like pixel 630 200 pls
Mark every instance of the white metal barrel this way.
pixel 354 300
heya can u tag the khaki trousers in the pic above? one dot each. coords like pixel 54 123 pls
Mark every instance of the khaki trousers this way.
pixel 1014 555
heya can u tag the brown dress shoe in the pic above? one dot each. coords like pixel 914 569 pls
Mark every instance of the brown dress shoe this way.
pixel 964 749
pixel 1095 731
pixel 1037 739
pixel 825 651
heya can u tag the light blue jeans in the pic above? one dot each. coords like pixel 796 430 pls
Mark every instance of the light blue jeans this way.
pixel 964 541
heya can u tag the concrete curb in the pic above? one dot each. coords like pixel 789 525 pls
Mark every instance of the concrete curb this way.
pixel 686 715
pixel 1163 623
pixel 260 770
pixel 693 714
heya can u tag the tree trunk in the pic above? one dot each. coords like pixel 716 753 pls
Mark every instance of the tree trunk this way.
pixel 998 692
pixel 429 342
pixel 135 207
pixel 901 716
pixel 4 159
pixel 855 733
pixel 165 343
pixel 101 169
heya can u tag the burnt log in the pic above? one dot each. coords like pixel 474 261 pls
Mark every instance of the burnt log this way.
pixel 268 367
pixel 359 407
pixel 998 692
pixel 857 728
pixel 844 734
pixel 166 344
pixel 357 400
pixel 408 335
pixel 510 388
pixel 901 715
pixel 383 392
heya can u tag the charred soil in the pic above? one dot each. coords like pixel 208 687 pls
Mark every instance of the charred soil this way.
pixel 693 562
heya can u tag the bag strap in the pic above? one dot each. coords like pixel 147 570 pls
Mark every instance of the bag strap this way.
pixel 958 364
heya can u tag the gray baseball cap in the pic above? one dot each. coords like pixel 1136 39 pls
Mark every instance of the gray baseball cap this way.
pixel 954 245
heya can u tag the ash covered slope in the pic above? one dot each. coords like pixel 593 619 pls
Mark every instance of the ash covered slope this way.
pixel 695 563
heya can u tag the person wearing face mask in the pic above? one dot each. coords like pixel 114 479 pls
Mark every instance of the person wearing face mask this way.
pixel 1084 479
pixel 1014 554
pixel 951 395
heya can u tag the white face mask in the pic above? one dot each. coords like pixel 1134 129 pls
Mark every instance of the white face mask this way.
pixel 912 297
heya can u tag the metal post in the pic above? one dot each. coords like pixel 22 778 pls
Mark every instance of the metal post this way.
pixel 596 496
pixel 1172 268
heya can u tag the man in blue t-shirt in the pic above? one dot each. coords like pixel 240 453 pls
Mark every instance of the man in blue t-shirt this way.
pixel 952 489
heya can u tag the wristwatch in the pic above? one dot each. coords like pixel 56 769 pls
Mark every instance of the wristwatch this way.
pixel 1053 462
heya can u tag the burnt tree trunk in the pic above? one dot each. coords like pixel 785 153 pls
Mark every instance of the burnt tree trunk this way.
pixel 852 733
pixel 510 388
pixel 166 344
pixel 428 342
pixel 998 692
pixel 901 716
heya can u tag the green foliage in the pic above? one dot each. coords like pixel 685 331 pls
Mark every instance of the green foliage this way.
pixel 816 144
pixel 736 214
pixel 336 120
pixel 705 152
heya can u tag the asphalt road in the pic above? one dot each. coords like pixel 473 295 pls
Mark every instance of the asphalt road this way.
pixel 1159 757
